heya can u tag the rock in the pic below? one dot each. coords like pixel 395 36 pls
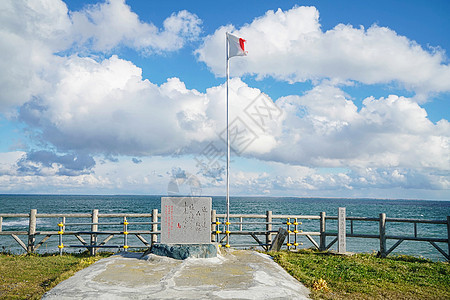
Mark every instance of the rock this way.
pixel 183 251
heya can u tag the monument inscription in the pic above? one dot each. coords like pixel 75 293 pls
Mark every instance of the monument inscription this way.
pixel 186 220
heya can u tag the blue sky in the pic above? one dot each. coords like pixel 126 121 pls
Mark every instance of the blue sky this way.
pixel 126 97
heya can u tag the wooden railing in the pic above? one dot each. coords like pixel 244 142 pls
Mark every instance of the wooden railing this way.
pixel 261 227
pixel 93 224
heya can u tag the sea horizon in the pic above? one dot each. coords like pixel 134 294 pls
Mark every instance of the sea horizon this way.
pixel 231 196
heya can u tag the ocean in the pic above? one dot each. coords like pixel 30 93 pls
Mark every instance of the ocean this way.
pixel 414 209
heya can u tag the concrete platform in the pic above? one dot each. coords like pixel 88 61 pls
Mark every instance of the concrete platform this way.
pixel 236 274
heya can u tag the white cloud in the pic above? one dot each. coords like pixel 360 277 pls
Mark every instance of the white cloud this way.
pixel 86 109
pixel 33 32
pixel 28 33
pixel 324 128
pixel 250 177
pixel 107 25
pixel 290 45
pixel 106 107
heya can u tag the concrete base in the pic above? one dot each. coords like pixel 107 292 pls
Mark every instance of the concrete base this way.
pixel 234 274
pixel 183 251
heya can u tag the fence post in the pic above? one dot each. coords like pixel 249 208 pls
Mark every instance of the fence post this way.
pixel 382 252
pixel 32 231
pixel 342 247
pixel 1 221
pixel 154 226
pixel 448 235
pixel 94 228
pixel 269 227
pixel 323 237
pixel 213 225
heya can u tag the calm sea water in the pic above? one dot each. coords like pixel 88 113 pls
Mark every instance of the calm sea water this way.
pixel 417 209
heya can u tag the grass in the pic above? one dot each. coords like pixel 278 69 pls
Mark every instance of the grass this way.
pixel 29 276
pixel 365 276
pixel 360 276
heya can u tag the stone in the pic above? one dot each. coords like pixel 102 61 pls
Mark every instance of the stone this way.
pixel 186 220
pixel 279 240
pixel 183 251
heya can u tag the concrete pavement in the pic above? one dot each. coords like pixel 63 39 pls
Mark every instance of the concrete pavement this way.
pixel 236 274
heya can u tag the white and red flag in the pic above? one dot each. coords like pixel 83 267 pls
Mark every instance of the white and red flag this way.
pixel 236 46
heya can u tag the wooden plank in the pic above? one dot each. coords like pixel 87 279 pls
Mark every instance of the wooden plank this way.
pixel 141 238
pixel 249 232
pixel 258 241
pixel 307 233
pixel 80 239
pixel 448 234
pixel 394 246
pixel 80 215
pixel 248 216
pixel 322 232
pixel 304 217
pixel 22 244
pixel 32 230
pixel 13 232
pixel 42 241
pixel 154 225
pixel 440 250
pixel 415 229
pixel 94 228
pixel 14 215
pixel 331 244
pixel 419 239
pixel 213 225
pixel 354 218
pixel 313 241
pixel 107 239
pixel 400 220
pixel 268 227
pixel 121 215
pixel 382 226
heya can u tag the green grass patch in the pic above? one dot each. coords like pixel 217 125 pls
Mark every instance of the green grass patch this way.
pixel 365 276
pixel 30 276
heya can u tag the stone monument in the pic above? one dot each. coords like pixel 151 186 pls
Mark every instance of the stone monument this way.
pixel 342 248
pixel 185 228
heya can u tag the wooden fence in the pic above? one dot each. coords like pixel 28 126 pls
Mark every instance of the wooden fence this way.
pixel 261 227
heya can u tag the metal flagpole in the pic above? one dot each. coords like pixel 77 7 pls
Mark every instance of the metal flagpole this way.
pixel 228 155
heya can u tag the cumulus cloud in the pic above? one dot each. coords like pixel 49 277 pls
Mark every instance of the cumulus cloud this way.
pixel 324 128
pixel 84 108
pixel 290 45
pixel 29 32
pixel 107 108
pixel 35 36
pixel 107 25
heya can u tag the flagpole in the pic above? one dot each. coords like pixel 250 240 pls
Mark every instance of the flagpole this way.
pixel 228 154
